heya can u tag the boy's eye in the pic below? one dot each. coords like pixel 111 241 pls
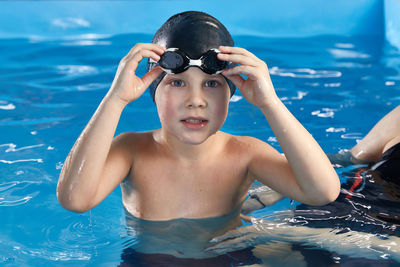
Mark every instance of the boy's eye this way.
pixel 212 83
pixel 177 83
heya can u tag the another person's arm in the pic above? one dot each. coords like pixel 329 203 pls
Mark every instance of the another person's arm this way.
pixel 96 164
pixel 382 136
pixel 260 196
pixel 304 173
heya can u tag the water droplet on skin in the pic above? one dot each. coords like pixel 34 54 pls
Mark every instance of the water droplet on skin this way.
pixel 359 153
pixel 81 166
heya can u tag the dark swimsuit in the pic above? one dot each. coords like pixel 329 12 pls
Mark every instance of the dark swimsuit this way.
pixel 368 202
pixel 388 166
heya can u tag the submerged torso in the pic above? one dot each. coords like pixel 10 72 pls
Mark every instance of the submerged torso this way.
pixel 182 238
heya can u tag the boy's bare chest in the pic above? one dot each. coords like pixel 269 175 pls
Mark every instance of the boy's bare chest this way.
pixel 203 178
pixel 187 190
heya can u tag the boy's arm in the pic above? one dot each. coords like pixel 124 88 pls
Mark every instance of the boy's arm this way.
pixel 305 174
pixel 96 164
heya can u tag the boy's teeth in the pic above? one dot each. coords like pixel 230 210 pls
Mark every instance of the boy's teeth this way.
pixel 194 121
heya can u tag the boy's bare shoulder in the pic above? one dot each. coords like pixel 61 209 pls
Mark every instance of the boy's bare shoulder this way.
pixel 246 143
pixel 135 140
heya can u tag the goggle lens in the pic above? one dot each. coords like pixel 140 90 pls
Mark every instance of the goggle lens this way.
pixel 211 63
pixel 171 60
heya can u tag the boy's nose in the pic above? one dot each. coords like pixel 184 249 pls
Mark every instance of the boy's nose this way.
pixel 196 99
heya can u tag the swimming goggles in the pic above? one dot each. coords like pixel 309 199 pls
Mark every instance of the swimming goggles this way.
pixel 175 61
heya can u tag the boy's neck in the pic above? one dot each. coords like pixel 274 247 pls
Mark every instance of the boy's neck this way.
pixel 188 152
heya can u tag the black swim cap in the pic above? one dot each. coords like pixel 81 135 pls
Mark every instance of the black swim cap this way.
pixel 193 32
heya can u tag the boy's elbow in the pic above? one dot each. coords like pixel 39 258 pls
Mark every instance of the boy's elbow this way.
pixel 74 208
pixel 334 190
pixel 321 201
pixel 71 204
pixel 330 195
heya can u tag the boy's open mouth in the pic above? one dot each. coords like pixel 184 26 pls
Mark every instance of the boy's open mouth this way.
pixel 194 123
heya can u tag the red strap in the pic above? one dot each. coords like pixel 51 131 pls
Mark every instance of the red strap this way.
pixel 358 179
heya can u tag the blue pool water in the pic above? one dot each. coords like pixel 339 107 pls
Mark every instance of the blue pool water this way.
pixel 338 87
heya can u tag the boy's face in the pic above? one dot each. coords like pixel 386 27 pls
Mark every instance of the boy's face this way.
pixel 192 105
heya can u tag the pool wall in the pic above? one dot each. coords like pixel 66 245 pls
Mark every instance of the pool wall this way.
pixel 273 18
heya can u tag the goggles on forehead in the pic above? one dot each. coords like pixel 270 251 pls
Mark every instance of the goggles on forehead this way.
pixel 175 61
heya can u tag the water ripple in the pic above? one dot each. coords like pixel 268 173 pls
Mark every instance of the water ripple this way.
pixel 76 70
pixel 304 73
pixel 300 96
pixel 20 160
pixel 14 193
pixel 57 239
pixel 5 106
pixel 324 113
pixel 12 147
pixel 86 43
pixel 352 136
pixel 25 121
pixel 344 53
pixel 335 130
pixel 79 238
pixel 66 23
pixel 16 202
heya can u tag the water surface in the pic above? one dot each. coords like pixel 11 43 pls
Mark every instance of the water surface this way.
pixel 338 87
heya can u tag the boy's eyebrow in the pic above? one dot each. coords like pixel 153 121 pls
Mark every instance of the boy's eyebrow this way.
pixel 182 75
pixel 219 76
pixel 215 77
pixel 175 75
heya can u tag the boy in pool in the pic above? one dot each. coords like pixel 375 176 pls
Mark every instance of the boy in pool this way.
pixel 188 168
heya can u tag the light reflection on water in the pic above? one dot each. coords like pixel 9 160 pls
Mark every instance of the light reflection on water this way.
pixel 338 87
pixel 289 230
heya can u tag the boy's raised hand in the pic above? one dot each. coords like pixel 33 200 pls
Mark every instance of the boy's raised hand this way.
pixel 258 88
pixel 126 86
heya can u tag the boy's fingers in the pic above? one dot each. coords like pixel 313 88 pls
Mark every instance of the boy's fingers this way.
pixel 238 58
pixel 149 77
pixel 236 50
pixel 145 54
pixel 242 69
pixel 159 50
pixel 148 46
pixel 134 61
